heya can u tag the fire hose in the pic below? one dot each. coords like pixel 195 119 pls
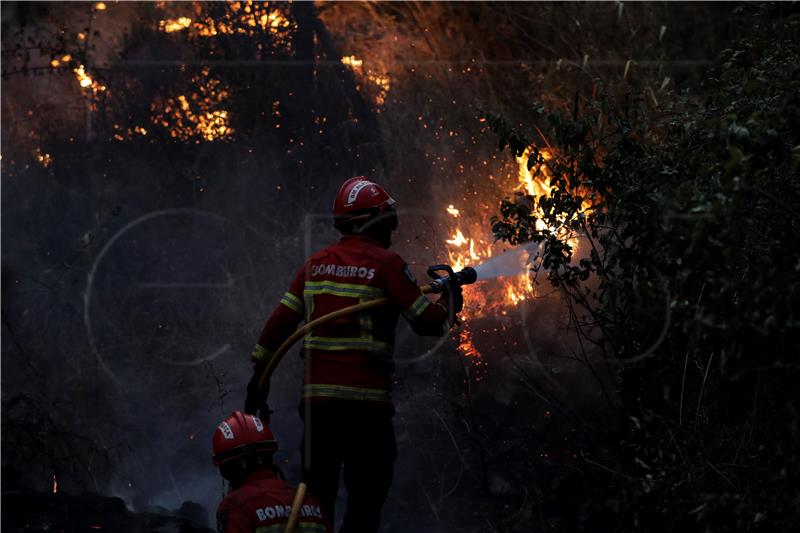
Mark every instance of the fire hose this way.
pixel 297 504
pixel 439 284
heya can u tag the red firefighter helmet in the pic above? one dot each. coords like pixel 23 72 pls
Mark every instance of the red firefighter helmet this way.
pixel 240 435
pixel 358 200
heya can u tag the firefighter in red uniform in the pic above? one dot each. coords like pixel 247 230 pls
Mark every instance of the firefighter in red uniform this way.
pixel 347 406
pixel 259 499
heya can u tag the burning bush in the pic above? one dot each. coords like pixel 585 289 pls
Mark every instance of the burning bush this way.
pixel 689 284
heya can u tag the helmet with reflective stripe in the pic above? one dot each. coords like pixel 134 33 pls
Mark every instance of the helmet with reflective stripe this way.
pixel 240 435
pixel 360 200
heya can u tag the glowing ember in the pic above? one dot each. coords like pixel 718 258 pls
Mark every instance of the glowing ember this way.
pixel 352 61
pixel 100 6
pixel 86 82
pixel 452 210
pixel 57 62
pixel 124 134
pixel 55 484
pixel 43 158
pixel 173 25
pixel 383 83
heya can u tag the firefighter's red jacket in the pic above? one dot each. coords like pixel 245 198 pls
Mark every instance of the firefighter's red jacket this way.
pixel 263 504
pixel 351 357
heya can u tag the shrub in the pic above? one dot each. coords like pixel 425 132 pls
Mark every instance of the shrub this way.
pixel 689 211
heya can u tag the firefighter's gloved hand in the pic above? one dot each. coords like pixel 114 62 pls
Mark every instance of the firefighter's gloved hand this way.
pixel 453 298
pixel 256 398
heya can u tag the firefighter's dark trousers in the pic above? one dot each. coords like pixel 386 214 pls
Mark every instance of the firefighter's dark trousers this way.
pixel 357 438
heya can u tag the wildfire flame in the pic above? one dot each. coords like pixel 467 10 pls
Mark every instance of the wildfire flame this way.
pixel 173 25
pixel 197 116
pixel 535 182
pixel 240 18
pixel 353 62
pixel 471 243
pixel 465 344
pixel 528 181
pixel 90 86
pixel 379 83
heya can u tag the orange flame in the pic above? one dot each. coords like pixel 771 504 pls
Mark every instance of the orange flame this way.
pixel 86 82
pixel 466 346
pixel 173 25
pixel 471 243
pixel 240 18
pixel 197 116
pixel 379 83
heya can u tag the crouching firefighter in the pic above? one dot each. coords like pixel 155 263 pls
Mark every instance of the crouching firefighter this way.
pixel 346 396
pixel 259 499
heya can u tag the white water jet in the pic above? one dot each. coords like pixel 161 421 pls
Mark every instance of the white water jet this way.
pixel 509 263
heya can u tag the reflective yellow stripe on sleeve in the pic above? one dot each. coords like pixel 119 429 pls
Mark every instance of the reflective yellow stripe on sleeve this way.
pixel 417 308
pixel 292 302
pixel 260 354
pixel 345 392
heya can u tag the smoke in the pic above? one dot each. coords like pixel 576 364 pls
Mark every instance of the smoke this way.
pixel 141 274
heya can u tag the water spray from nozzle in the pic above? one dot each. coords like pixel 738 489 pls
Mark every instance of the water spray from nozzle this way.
pixel 509 263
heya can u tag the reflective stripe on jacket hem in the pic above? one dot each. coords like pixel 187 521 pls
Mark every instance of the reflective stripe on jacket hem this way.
pixel 346 392
pixel 347 343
